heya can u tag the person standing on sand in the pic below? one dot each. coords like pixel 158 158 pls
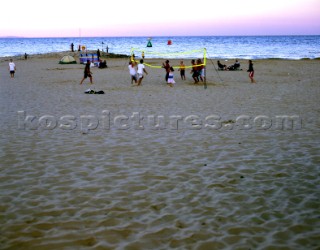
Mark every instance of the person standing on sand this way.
pixel 87 73
pixel 182 70
pixel 98 54
pixel 194 71
pixel 251 72
pixel 166 66
pixel 141 69
pixel 132 72
pixel 171 81
pixel 12 68
pixel 200 69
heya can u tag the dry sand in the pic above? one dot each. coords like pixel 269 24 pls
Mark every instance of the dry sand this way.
pixel 233 166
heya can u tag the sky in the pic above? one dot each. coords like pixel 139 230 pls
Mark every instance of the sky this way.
pixel 69 18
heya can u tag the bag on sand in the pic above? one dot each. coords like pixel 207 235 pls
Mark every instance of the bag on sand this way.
pixel 91 91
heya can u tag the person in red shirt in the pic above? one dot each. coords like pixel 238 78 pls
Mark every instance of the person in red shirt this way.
pixel 195 72
pixel 200 68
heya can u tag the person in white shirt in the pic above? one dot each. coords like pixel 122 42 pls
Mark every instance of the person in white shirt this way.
pixel 141 69
pixel 133 72
pixel 12 68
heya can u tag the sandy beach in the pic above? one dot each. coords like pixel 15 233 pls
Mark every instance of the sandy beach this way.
pixel 232 166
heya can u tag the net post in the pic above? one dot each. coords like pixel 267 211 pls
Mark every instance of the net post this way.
pixel 205 68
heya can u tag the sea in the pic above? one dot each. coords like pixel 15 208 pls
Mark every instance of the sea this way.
pixel 224 47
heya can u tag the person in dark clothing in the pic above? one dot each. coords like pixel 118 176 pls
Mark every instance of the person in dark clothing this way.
pixel 222 66
pixel 87 73
pixel 194 71
pixel 103 64
pixel 98 54
pixel 166 66
pixel 251 72
pixel 235 66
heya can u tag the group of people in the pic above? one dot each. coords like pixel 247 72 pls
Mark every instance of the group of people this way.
pixel 137 71
pixel 102 64
pixel 236 66
pixel 198 71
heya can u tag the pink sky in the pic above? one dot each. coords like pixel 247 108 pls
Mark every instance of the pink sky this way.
pixel 63 18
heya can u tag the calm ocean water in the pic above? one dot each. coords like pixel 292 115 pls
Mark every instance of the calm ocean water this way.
pixel 242 47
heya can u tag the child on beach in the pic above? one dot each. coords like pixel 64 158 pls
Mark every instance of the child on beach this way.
pixel 132 71
pixel 182 70
pixel 251 72
pixel 171 81
pixel 12 68
pixel 87 73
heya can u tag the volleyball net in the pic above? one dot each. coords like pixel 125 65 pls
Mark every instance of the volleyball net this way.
pixel 191 54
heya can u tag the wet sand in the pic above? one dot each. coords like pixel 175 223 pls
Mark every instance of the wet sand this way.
pixel 233 166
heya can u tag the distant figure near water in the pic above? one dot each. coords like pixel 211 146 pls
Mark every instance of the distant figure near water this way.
pixel 98 54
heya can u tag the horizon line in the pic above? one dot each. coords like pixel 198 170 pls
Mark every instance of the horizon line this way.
pixel 14 37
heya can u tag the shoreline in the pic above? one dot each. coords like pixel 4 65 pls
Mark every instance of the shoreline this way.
pixel 59 55
pixel 119 56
